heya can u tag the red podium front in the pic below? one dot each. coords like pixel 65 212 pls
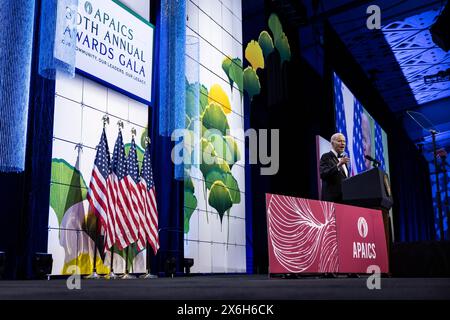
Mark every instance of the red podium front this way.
pixel 310 236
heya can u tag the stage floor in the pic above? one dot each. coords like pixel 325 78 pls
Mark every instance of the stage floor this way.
pixel 231 287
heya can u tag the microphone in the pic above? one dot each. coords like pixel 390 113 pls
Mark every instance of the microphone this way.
pixel 375 161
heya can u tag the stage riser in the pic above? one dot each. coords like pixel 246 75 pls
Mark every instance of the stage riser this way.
pixel 421 259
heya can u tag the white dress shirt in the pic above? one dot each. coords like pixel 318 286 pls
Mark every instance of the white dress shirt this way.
pixel 344 167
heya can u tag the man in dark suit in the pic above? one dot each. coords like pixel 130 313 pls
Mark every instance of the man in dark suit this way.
pixel 333 169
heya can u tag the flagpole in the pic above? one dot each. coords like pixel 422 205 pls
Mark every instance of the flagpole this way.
pixel 94 274
pixel 127 275
pixel 148 275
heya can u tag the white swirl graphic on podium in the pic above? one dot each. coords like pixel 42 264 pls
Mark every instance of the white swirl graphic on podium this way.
pixel 302 237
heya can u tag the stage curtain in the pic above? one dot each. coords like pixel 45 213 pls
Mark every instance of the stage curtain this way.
pixel 169 191
pixel 25 196
pixel 16 21
pixel 410 179
pixel 172 57
pixel 33 229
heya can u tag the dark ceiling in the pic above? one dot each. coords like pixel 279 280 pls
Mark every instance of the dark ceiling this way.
pixel 397 59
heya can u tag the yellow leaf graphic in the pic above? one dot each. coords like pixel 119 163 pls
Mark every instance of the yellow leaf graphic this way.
pixel 218 95
pixel 254 55
pixel 85 262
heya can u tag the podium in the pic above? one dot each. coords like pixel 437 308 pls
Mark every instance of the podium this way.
pixel 370 189
pixel 309 236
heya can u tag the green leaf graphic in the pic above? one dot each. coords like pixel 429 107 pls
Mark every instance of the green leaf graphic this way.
pixel 203 98
pixel 215 118
pixel 233 187
pixel 251 82
pixel 219 165
pixel 222 148
pixel 139 152
pixel 237 74
pixel 68 187
pixel 215 174
pixel 208 156
pixel 191 100
pixel 188 185
pixel 233 147
pixel 190 203
pixel 220 198
pixel 282 45
pixel 275 26
pixel 143 136
pixel 266 43
pixel 128 253
pixel 187 121
pixel 226 65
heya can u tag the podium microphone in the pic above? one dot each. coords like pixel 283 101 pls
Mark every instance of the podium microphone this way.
pixel 375 161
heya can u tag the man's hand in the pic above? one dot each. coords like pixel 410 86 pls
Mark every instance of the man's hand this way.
pixel 343 161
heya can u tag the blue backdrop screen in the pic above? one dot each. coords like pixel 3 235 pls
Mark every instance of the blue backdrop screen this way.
pixel 364 135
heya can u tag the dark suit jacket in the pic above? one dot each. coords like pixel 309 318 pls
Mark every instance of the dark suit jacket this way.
pixel 331 177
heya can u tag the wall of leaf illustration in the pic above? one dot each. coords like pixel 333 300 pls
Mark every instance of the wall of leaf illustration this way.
pixel 214 191
pixel 79 107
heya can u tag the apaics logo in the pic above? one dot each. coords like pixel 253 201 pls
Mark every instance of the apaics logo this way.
pixel 363 228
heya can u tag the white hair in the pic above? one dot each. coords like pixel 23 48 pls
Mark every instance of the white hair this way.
pixel 335 136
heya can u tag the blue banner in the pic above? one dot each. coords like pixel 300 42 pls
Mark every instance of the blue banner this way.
pixel 57 37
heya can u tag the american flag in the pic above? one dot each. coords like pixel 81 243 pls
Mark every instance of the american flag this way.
pixel 147 188
pixel 379 152
pixel 135 194
pixel 340 111
pixel 358 153
pixel 126 223
pixel 98 192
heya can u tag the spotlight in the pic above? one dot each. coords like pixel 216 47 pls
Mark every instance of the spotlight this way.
pixel 441 153
pixel 2 264
pixel 170 266
pixel 440 30
pixel 188 263
pixel 42 265
pixel 441 76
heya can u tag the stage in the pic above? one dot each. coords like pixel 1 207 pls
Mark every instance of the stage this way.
pixel 230 287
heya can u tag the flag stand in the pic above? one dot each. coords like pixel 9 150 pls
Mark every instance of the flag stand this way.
pixel 112 275
pixel 127 275
pixel 148 275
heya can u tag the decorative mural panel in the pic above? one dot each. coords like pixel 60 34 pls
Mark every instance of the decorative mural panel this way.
pixel 214 189
pixel 80 105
